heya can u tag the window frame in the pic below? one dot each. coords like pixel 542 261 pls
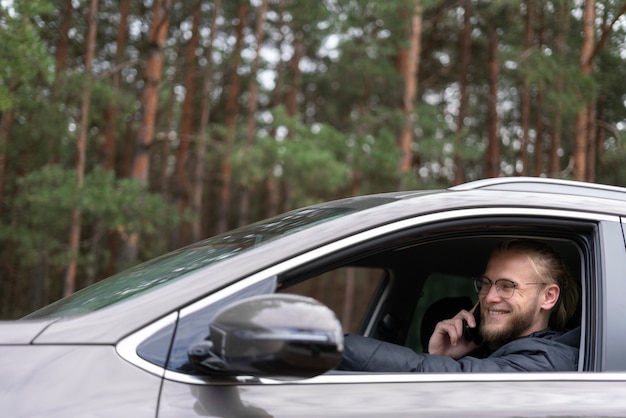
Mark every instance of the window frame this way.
pixel 438 223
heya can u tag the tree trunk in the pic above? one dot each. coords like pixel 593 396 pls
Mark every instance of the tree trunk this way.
pixel 150 95
pixel 69 284
pixel 592 142
pixel 109 150
pixel 149 103
pixel 291 104
pixel 582 122
pixel 254 84
pixel 244 203
pixel 6 122
pixel 111 112
pixel 230 122
pixel 529 21
pixel 64 39
pixel 203 132
pixel 62 49
pixel 594 146
pixel 599 137
pixel 540 139
pixel 585 118
pixel 271 183
pixel 493 140
pixel 560 48
pixel 407 65
pixel 186 132
pixel 128 147
pixel 295 86
pixel 166 146
pixel 464 62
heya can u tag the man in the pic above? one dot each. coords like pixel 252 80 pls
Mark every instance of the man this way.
pixel 525 296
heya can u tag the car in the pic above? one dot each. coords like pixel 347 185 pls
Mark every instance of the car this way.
pixel 252 322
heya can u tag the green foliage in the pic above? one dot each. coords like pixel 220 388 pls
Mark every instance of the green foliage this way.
pixel 372 152
pixel 611 161
pixel 124 205
pixel 309 158
pixel 40 212
pixel 544 71
pixel 341 138
pixel 611 86
pixel 23 55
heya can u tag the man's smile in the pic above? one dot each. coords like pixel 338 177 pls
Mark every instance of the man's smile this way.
pixel 496 312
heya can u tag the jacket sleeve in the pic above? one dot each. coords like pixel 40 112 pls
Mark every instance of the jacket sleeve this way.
pixel 531 354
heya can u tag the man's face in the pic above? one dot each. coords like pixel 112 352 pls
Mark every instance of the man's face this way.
pixel 505 319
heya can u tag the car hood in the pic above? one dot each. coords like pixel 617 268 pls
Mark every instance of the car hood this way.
pixel 22 331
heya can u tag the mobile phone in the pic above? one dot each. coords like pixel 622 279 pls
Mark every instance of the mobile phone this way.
pixel 473 334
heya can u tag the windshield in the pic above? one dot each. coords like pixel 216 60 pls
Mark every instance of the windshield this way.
pixel 172 266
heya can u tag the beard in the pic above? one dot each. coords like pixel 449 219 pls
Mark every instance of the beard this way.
pixel 514 328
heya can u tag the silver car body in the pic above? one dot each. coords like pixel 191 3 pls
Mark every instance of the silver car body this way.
pixel 88 364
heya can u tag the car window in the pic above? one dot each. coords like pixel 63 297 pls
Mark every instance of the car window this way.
pixel 348 291
pixel 431 280
pixel 383 288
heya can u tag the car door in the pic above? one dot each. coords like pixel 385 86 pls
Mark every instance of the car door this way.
pixel 392 311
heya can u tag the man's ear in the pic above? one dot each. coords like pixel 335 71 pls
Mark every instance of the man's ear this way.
pixel 550 296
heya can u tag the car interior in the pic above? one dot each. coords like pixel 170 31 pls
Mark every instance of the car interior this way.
pixel 397 287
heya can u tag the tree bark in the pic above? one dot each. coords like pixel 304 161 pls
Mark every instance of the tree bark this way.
pixel 295 85
pixel 291 104
pixel 150 95
pixel 525 99
pixel 594 145
pixel 230 122
pixel 464 62
pixel 6 122
pixel 599 137
pixel 69 283
pixel 592 142
pixel 181 171
pixel 244 203
pixel 149 103
pixel 583 123
pixel 62 48
pixel 271 184
pixel 407 65
pixel 560 48
pixel 540 139
pixel 64 39
pixel 109 147
pixel 493 140
pixel 203 134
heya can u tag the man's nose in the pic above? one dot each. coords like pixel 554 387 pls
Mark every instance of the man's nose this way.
pixel 492 295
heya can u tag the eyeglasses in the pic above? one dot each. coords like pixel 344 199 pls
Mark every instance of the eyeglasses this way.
pixel 504 287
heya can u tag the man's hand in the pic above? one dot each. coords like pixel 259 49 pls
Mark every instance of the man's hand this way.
pixel 447 339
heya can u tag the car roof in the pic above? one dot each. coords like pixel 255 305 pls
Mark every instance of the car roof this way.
pixel 546 185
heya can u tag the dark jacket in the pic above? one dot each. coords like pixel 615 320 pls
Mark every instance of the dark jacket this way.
pixel 539 352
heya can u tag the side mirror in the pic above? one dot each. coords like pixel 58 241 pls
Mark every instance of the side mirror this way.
pixel 276 335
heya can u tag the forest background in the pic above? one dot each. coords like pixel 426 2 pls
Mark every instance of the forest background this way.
pixel 129 128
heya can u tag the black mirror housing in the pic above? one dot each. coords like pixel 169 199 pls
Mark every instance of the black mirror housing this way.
pixel 278 335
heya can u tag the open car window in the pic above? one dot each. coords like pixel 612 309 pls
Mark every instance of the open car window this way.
pixel 386 286
pixel 397 288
